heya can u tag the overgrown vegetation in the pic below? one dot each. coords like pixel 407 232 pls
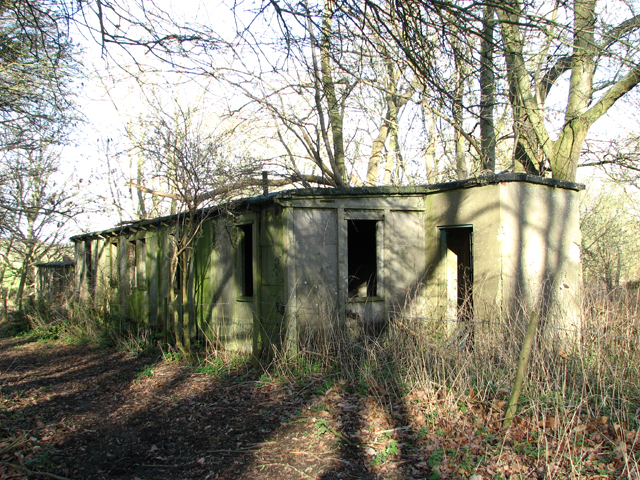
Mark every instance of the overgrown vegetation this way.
pixel 582 404
pixel 598 378
pixel 76 324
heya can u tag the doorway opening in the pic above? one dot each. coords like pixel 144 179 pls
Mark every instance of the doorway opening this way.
pixel 457 243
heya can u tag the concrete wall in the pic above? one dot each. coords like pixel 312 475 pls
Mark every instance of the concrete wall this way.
pixel 318 270
pixel 480 209
pixel 540 245
pixel 525 247
pixel 271 269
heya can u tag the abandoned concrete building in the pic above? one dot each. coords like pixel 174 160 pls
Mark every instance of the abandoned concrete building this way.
pixel 270 268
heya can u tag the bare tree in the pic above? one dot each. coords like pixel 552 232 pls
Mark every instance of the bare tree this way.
pixel 602 60
pixel 610 233
pixel 338 97
pixel 36 209
pixel 36 114
pixel 619 159
pixel 36 101
pixel 191 163
pixel 327 42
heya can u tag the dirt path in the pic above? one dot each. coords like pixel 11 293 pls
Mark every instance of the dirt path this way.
pixel 84 412
pixel 80 412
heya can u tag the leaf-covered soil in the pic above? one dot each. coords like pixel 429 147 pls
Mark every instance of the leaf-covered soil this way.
pixel 83 412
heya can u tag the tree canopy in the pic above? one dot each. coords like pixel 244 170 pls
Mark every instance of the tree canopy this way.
pixel 37 66
pixel 369 92
pixel 359 92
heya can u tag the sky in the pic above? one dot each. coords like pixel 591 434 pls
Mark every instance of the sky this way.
pixel 110 98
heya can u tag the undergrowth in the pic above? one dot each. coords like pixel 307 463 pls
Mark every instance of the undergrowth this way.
pixel 78 325
pixel 571 389
pixel 598 377
pixel 568 388
pixel 595 377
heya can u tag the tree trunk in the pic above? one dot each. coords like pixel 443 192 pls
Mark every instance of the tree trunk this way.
pixel 395 101
pixel 186 320
pixel 6 261
pixel 567 150
pixel 26 261
pixel 142 211
pixel 462 170
pixel 391 154
pixel 532 138
pixel 377 149
pixel 564 153
pixel 569 145
pixel 487 92
pixel 336 117
pixel 523 360
pixel 430 163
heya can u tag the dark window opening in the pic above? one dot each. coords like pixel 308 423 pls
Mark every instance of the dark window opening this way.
pixel 88 258
pixel 362 258
pixel 113 268
pixel 131 263
pixel 141 263
pixel 177 275
pixel 245 249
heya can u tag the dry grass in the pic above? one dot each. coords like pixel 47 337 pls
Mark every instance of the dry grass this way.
pixel 578 416
pixel 567 392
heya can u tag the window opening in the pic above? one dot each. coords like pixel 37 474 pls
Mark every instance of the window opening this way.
pixel 141 263
pixel 88 262
pixel 245 249
pixel 113 270
pixel 131 263
pixel 177 274
pixel 362 258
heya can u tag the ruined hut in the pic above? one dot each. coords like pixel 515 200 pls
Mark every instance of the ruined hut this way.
pixel 55 280
pixel 271 269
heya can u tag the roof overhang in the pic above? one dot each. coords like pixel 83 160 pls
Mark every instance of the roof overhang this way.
pixel 284 195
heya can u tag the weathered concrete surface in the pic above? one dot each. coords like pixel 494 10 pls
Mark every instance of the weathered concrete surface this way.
pixel 522 236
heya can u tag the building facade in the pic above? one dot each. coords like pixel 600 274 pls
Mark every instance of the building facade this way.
pixel 271 270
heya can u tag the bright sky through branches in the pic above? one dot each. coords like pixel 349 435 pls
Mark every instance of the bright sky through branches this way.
pixel 121 85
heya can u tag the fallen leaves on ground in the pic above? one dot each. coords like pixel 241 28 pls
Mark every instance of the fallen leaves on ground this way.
pixel 83 412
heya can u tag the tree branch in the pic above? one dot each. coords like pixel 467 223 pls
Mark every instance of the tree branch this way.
pixel 623 86
pixel 249 182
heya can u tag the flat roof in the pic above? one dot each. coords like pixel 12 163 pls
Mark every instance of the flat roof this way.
pixel 342 192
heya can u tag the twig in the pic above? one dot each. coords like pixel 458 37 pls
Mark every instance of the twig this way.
pixel 165 399
pixel 249 448
pixel 283 465
pixel 20 468
pixel 397 429
pixel 15 443
pixel 339 435
pixel 242 450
